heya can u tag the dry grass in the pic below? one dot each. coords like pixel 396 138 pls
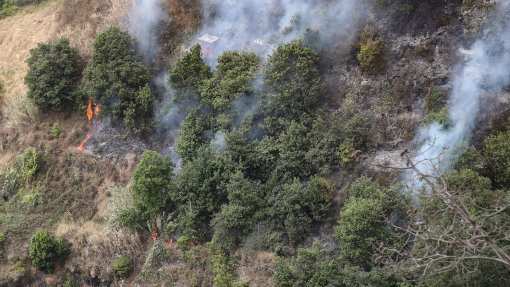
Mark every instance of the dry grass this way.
pixel 19 110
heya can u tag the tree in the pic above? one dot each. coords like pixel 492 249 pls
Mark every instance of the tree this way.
pixel 151 183
pixel 232 78
pixel 294 145
pixel 287 210
pixel 371 56
pixel 123 266
pixel 497 153
pixel 320 195
pixel 42 251
pixel 460 226
pixel 191 136
pixel 312 267
pixel 363 223
pixel 294 81
pixel 118 80
pixel 190 71
pixel 52 74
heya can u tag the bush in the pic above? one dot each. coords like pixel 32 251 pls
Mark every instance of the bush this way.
pixel 371 55
pixel 2 240
pixel 182 243
pixel 55 131
pixel 42 251
pixel 62 250
pixel 28 163
pixel 319 194
pixel 52 74
pixel 497 153
pixel 123 266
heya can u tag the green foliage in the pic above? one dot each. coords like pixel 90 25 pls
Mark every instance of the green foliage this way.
pixel 371 56
pixel 62 250
pixel 16 272
pixel 224 275
pixel 320 195
pixel 28 163
pixel 245 208
pixel 118 80
pixel 69 283
pixel 182 243
pixel 190 70
pixel 362 221
pixel 52 73
pixel 151 184
pixel 191 138
pixel 293 77
pixel 55 131
pixel 497 152
pixel 288 210
pixel 123 266
pixel 200 187
pixel 434 100
pixel 232 77
pixel 312 267
pixel 42 251
pixel 293 145
pixel 2 241
pixel 442 118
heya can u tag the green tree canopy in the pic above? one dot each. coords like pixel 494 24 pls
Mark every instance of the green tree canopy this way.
pixel 190 71
pixel 151 183
pixel 42 251
pixel 118 80
pixel 293 78
pixel 232 77
pixel 52 74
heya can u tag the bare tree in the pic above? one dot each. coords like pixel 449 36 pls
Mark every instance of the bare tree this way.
pixel 453 223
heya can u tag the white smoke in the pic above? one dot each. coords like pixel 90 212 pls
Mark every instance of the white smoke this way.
pixel 486 69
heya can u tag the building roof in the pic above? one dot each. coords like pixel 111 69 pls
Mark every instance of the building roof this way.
pixel 208 38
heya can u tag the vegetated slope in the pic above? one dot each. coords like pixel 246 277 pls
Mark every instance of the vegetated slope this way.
pixel 253 209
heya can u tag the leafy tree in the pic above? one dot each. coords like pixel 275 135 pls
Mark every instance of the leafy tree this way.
pixel 497 153
pixel 245 208
pixel 190 71
pixel 324 144
pixel 151 183
pixel 288 210
pixel 232 77
pixel 118 80
pixel 42 251
pixel 52 74
pixel 62 250
pixel 200 185
pixel 294 145
pixel 312 267
pixel 320 195
pixel 191 133
pixel 293 77
pixel 363 221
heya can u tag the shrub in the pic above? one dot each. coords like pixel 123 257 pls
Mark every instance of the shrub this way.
pixel 52 73
pixel 123 266
pixel 2 240
pixel 42 251
pixel 497 153
pixel 319 196
pixel 371 55
pixel 182 243
pixel 55 131
pixel 62 250
pixel 28 163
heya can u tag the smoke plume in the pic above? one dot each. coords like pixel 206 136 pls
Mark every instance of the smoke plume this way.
pixel 485 69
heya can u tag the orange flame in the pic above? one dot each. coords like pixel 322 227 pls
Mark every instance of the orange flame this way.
pixel 82 145
pixel 170 243
pixel 155 234
pixel 89 111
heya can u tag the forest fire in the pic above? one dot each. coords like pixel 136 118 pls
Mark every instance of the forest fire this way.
pixel 90 115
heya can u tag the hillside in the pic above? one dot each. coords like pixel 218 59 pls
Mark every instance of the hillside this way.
pixel 238 143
